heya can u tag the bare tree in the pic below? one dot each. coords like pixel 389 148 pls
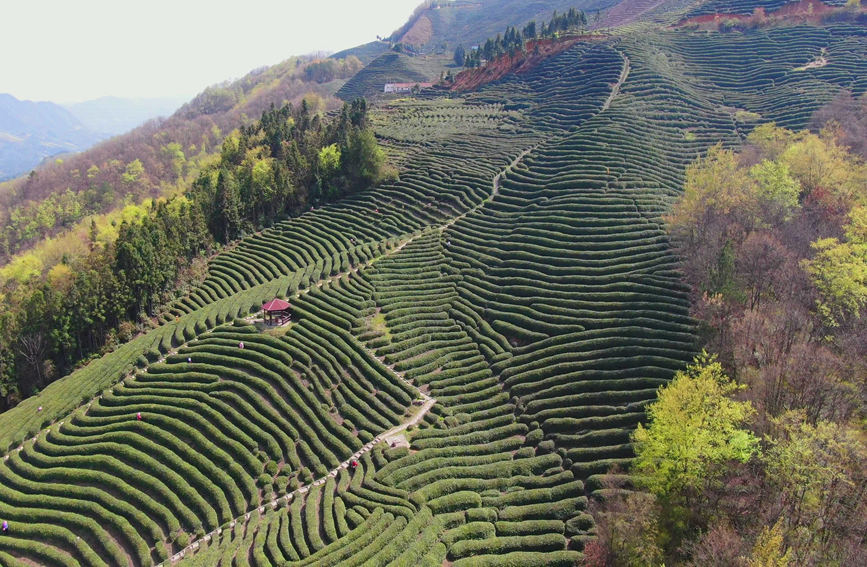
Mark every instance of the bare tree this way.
pixel 32 348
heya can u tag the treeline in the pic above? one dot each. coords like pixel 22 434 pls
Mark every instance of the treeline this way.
pixel 287 160
pixel 290 159
pixel 755 456
pixel 155 159
pixel 514 40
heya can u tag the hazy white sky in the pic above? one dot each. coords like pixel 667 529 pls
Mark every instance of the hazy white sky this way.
pixel 73 50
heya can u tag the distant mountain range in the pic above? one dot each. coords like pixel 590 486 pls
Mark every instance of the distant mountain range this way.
pixel 31 131
pixel 112 115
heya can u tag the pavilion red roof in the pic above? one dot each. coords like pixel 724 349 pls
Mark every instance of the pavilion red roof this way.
pixel 276 305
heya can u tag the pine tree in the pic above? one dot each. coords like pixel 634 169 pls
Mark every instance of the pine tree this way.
pixel 460 55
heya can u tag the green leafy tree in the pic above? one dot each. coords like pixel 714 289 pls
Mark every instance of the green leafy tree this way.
pixel 778 191
pixel 819 472
pixel 839 272
pixel 714 183
pixel 364 160
pixel 133 172
pixel 694 428
pixel 769 549
pixel 227 210
pixel 174 155
pixel 328 162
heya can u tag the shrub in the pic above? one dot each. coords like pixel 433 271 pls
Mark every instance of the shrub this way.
pixel 456 501
pixel 522 559
pixel 183 540
pixel 482 515
pixel 500 545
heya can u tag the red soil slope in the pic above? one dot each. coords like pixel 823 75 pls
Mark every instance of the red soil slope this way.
pixel 534 52
pixel 811 11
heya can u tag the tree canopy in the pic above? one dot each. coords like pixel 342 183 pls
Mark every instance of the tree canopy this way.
pixel 693 426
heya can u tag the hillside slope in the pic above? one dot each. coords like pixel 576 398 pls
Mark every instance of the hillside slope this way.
pixel 443 25
pixel 168 151
pixel 512 300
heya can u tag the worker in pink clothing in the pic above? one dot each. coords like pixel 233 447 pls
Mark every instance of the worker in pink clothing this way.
pixel 138 416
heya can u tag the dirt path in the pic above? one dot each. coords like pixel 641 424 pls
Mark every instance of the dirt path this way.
pixel 615 90
pixel 428 401
pixel 417 417
pixel 495 188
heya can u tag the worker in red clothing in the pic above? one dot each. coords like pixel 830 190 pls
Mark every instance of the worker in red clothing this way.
pixel 138 416
pixel 354 464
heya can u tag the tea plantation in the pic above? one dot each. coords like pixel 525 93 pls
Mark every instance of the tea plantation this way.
pixel 512 300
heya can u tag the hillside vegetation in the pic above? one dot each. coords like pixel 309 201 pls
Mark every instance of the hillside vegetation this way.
pixel 157 159
pixel 443 25
pixel 278 166
pixel 487 351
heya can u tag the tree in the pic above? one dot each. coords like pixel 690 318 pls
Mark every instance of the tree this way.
pixel 627 530
pixel 173 154
pixel 227 210
pixel 133 172
pixel 460 55
pixel 716 182
pixel 847 116
pixel 328 162
pixel 777 190
pixel 363 160
pixel 768 550
pixel 839 271
pixel 819 472
pixel 694 427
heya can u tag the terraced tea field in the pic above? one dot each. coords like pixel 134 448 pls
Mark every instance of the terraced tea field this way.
pixel 470 345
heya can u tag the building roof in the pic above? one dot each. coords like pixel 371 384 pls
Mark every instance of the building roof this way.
pixel 276 305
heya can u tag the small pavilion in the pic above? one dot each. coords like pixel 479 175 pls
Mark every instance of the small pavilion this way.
pixel 277 310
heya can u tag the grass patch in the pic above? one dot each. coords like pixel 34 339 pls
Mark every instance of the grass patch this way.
pixel 377 323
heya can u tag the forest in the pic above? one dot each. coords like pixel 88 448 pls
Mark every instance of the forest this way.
pixel 754 455
pixel 289 160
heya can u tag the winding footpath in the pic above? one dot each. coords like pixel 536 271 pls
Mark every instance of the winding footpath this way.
pixel 417 417
pixel 428 401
